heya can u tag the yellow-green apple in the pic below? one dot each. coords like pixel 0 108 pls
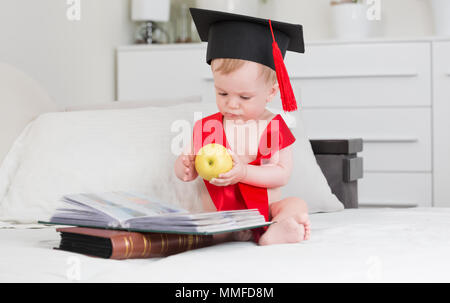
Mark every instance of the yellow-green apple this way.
pixel 211 160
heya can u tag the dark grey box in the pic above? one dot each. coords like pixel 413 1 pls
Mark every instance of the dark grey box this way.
pixel 341 167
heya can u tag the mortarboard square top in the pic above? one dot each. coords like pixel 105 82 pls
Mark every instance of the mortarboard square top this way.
pixel 245 37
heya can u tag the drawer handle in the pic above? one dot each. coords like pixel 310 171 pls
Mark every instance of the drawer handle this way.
pixel 387 204
pixel 350 75
pixel 390 140
pixel 375 139
pixel 347 75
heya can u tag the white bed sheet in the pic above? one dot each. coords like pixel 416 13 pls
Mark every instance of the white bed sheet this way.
pixel 354 245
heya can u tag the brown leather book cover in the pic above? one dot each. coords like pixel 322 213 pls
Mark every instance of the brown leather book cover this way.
pixel 118 244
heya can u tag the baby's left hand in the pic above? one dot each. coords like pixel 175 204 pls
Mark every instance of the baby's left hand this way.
pixel 233 176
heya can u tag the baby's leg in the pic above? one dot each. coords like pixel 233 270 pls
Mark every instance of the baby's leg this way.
pixel 243 235
pixel 292 222
pixel 223 237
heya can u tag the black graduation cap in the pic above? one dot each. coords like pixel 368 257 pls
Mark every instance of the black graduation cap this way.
pixel 254 39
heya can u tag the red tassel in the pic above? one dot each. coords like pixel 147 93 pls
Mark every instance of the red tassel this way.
pixel 286 92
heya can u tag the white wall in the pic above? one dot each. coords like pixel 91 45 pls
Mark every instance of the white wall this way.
pixel 73 60
pixel 399 18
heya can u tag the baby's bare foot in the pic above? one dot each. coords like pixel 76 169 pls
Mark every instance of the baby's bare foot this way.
pixel 285 231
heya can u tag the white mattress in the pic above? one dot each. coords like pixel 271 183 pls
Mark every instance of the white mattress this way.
pixel 354 245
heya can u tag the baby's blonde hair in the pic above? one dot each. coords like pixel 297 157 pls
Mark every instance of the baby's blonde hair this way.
pixel 228 65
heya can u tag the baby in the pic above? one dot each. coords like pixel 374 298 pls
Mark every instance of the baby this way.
pixel 243 88
pixel 246 57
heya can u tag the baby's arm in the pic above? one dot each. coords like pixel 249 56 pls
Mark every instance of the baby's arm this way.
pixel 185 166
pixel 275 173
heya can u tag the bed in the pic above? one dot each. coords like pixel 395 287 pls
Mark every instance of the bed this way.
pixel 354 245
pixel 349 245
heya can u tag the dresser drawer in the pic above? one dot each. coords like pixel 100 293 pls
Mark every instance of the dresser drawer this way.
pixel 441 123
pixel 393 139
pixel 402 189
pixel 365 74
pixel 151 72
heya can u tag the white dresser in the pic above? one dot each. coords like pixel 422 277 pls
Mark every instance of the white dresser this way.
pixel 393 94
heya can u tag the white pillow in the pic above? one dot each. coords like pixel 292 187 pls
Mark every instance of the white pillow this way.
pixel 92 151
pixel 163 102
pixel 123 149
pixel 21 100
pixel 307 180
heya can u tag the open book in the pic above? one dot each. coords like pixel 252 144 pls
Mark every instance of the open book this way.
pixel 136 212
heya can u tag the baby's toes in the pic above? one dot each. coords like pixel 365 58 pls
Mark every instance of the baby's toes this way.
pixel 307 226
pixel 307 233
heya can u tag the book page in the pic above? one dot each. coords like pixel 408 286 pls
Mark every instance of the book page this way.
pixel 133 211
pixel 199 222
pixel 123 206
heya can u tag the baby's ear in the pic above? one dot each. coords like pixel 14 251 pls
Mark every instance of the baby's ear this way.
pixel 276 87
pixel 273 91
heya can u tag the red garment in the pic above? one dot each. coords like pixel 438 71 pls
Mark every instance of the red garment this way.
pixel 241 195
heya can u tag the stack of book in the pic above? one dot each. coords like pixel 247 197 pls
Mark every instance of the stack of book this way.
pixel 123 225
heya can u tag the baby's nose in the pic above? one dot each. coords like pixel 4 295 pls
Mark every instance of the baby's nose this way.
pixel 233 103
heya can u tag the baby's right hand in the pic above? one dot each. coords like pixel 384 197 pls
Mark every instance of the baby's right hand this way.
pixel 189 171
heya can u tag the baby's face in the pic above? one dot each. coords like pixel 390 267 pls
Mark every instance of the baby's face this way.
pixel 244 93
